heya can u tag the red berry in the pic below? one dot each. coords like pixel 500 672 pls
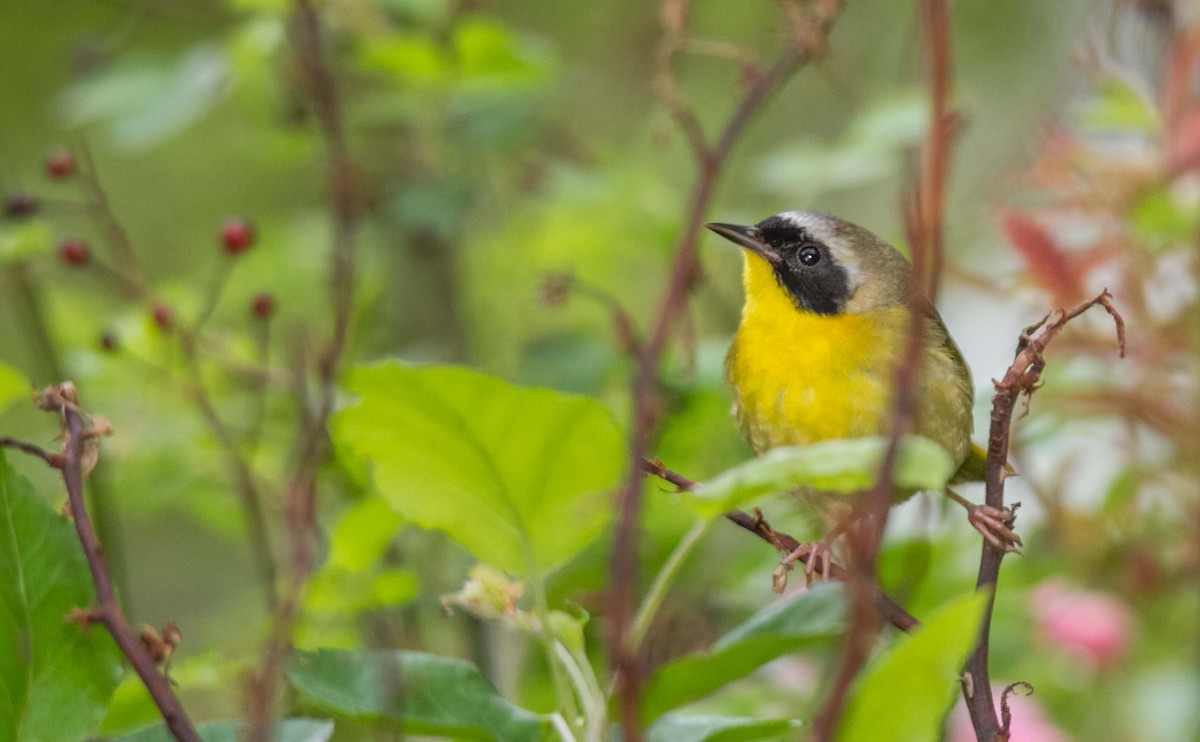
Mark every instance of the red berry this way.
pixel 263 305
pixel 164 316
pixel 237 235
pixel 75 252
pixel 21 204
pixel 60 163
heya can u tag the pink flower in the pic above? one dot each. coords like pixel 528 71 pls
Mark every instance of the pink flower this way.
pixel 1092 627
pixel 1029 722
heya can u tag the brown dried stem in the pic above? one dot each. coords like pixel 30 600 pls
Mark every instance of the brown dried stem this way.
pixel 804 45
pixel 239 466
pixel 52 459
pixel 126 275
pixel 347 204
pixel 1021 379
pixel 924 220
pixel 889 609
pixel 108 610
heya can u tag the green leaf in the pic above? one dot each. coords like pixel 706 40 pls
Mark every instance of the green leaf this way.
pixel 14 387
pixel 363 534
pixel 149 101
pixel 412 692
pixel 678 728
pixel 840 466
pixel 25 240
pixel 410 59
pixel 288 730
pixel 1119 106
pixel 55 678
pixel 490 56
pixel 914 684
pixel 779 629
pixel 519 476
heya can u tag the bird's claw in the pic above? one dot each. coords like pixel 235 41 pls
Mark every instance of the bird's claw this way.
pixel 994 524
pixel 818 562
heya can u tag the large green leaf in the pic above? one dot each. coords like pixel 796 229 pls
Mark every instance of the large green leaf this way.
pixel 519 476
pixel 914 684
pixel 679 728
pixel 782 627
pixel 55 678
pixel 413 692
pixel 288 730
pixel 842 466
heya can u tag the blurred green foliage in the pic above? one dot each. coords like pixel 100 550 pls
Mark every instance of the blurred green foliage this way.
pixel 499 144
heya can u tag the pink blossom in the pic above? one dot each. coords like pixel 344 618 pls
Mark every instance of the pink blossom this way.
pixel 1029 722
pixel 1092 627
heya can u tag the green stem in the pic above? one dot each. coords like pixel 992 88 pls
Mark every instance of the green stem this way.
pixel 588 688
pixel 662 583
pixel 566 699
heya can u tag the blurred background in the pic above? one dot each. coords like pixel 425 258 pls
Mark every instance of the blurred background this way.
pixel 502 144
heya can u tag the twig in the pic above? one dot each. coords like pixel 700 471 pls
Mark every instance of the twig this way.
pixel 924 221
pixel 803 47
pixel 312 444
pixel 239 466
pixel 889 609
pixel 118 238
pixel 108 611
pixel 1021 379
pixel 126 275
pixel 53 460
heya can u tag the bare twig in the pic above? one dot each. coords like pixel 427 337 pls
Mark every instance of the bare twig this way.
pixel 52 459
pixel 924 220
pixel 126 275
pixel 300 506
pixel 1021 379
pixel 239 466
pixel 61 400
pixel 889 609
pixel 117 238
pixel 805 45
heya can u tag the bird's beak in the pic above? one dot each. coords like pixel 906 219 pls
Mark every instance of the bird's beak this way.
pixel 747 237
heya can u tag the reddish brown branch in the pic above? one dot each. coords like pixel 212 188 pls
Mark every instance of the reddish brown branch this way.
pixel 347 205
pixel 239 467
pixel 108 610
pixel 53 460
pixel 804 46
pixel 1021 379
pixel 889 609
pixel 924 221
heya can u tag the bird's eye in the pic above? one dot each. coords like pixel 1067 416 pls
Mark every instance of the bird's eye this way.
pixel 810 255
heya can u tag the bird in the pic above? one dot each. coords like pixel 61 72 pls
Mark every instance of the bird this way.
pixel 822 329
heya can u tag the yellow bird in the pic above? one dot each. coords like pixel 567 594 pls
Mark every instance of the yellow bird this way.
pixel 814 357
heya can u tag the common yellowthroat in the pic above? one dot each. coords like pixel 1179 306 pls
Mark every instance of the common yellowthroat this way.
pixel 822 329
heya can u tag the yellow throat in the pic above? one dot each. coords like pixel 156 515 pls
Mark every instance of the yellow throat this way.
pixel 800 377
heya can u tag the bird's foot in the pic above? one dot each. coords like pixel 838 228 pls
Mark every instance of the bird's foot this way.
pixel 818 562
pixel 995 526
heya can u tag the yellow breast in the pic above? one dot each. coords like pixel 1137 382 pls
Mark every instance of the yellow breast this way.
pixel 800 377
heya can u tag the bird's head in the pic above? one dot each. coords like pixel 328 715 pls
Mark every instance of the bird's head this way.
pixel 825 264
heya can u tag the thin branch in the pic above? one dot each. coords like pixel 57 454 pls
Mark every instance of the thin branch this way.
pixel 117 238
pixel 346 199
pixel 53 460
pixel 108 610
pixel 1021 379
pixel 924 220
pixel 239 466
pixel 803 47
pixel 889 609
